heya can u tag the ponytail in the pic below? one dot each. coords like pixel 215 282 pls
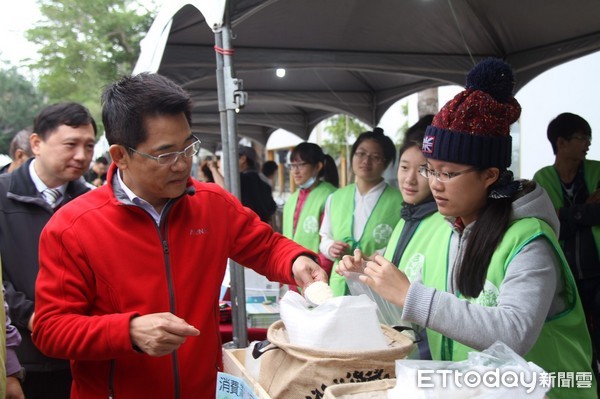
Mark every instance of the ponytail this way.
pixel 329 172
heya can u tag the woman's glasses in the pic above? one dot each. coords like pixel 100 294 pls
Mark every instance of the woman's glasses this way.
pixel 361 156
pixel 441 176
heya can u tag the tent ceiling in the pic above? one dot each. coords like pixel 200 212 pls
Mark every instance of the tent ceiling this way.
pixel 360 57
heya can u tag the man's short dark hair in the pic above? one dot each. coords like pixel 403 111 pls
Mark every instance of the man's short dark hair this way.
pixel 269 167
pixel 251 156
pixel 127 102
pixel 21 142
pixel 53 116
pixel 566 125
pixel 417 131
pixel 102 160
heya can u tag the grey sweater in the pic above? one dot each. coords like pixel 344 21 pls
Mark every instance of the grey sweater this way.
pixel 531 291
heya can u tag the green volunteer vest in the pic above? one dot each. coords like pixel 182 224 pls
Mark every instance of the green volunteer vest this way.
pixel 564 343
pixel 428 226
pixel 548 178
pixel 309 220
pixel 377 232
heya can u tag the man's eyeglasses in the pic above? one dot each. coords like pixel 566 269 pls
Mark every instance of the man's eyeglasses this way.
pixel 441 176
pixel 171 157
pixel 294 166
pixel 361 155
pixel 582 137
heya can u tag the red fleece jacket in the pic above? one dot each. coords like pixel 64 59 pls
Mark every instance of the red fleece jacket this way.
pixel 103 261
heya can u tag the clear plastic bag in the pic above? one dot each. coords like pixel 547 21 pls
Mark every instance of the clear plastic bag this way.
pixel 387 313
pixel 495 373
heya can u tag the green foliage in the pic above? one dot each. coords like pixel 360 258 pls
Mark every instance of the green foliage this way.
pixel 343 131
pixel 19 103
pixel 404 127
pixel 85 45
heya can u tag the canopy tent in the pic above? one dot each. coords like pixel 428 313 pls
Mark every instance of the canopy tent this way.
pixel 354 56
pixel 343 56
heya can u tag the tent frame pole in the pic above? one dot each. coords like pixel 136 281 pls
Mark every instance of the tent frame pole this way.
pixel 231 99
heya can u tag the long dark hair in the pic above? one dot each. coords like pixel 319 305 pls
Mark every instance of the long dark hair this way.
pixel 313 154
pixel 487 233
pixel 330 171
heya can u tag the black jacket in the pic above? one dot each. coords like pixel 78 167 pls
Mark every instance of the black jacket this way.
pixel 256 195
pixel 576 220
pixel 23 215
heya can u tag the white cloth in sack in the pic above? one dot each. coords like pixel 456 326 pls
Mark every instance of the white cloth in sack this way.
pixel 341 323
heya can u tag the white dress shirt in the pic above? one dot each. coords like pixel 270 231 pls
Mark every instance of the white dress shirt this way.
pixel 363 207
pixel 41 186
pixel 142 203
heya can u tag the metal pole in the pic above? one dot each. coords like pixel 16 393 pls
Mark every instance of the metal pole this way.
pixel 231 98
pixel 222 108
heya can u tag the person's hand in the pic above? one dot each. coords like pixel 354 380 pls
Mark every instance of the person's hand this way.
pixel 306 271
pixel 352 263
pixel 386 280
pixel 213 165
pixel 338 249
pixel 30 322
pixel 159 334
pixel 13 388
pixel 594 197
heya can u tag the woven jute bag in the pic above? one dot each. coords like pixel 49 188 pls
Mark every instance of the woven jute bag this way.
pixel 293 372
pixel 361 390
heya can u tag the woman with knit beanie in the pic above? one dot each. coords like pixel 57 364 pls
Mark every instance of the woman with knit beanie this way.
pixel 363 214
pixel 498 273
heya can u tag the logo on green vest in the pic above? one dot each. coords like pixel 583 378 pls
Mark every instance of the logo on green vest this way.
pixel 310 225
pixel 414 266
pixel 382 233
pixel 488 296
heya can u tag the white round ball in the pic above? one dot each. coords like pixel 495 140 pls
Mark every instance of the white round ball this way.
pixel 318 293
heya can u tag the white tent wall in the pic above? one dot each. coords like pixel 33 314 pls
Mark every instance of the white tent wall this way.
pixel 153 44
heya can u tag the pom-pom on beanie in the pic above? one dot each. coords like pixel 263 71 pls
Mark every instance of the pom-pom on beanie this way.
pixel 474 127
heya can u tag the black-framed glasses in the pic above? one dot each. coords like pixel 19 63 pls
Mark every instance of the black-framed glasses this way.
pixel 443 177
pixel 361 155
pixel 294 166
pixel 171 157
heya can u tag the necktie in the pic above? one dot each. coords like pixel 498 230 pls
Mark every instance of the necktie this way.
pixel 50 195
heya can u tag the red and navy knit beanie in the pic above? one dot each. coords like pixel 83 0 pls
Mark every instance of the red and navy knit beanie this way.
pixel 474 127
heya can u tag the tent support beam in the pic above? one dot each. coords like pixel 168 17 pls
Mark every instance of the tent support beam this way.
pixel 231 98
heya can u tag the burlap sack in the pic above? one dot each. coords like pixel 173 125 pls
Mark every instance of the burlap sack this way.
pixel 294 372
pixel 360 390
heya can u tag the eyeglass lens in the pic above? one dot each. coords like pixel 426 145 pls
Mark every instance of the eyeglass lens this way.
pixel 172 157
pixel 363 155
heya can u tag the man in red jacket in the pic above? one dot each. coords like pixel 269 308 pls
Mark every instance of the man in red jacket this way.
pixel 130 273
